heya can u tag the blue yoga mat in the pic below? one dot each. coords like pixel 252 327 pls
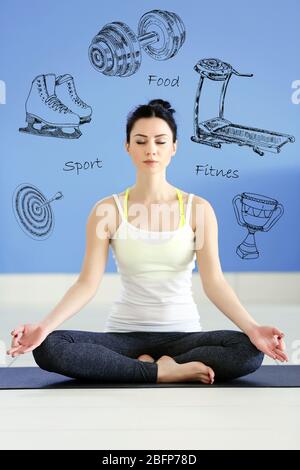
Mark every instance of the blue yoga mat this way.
pixel 12 378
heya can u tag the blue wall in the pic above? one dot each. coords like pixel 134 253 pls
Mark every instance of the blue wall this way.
pixel 259 38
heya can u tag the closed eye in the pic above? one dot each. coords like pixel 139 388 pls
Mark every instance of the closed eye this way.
pixel 140 143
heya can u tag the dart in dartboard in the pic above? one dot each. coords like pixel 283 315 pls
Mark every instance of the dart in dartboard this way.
pixel 33 211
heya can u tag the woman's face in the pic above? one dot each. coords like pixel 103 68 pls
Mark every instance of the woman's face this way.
pixel 151 139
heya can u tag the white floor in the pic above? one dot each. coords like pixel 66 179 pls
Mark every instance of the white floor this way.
pixel 153 418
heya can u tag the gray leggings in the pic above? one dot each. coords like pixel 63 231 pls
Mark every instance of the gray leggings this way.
pixel 112 357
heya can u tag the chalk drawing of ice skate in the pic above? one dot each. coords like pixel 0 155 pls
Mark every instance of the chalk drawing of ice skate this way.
pixel 65 90
pixel 46 115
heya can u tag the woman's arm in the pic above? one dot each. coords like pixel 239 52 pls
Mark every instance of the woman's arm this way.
pixel 215 285
pixel 29 336
pixel 85 287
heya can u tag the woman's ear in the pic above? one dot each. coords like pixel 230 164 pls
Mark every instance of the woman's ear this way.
pixel 126 145
pixel 175 147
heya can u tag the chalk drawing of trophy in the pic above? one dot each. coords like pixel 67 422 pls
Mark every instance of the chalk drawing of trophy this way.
pixel 257 213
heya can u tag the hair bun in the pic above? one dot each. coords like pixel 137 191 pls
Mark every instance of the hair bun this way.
pixel 162 103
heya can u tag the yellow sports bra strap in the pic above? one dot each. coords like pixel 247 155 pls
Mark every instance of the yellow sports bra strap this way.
pixel 125 203
pixel 181 208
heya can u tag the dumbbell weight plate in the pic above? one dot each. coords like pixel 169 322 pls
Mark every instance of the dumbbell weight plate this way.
pixel 101 54
pixel 170 30
pixel 115 50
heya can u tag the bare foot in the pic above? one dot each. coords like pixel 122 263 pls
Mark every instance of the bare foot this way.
pixel 170 371
pixel 146 358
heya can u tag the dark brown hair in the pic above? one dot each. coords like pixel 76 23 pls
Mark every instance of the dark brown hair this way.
pixel 155 108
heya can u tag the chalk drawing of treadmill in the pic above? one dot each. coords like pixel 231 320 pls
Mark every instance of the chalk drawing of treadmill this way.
pixel 218 130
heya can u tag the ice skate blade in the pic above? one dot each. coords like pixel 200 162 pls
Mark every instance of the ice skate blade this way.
pixel 55 133
pixel 50 131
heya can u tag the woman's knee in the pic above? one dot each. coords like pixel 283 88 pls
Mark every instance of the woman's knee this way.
pixel 247 358
pixel 44 352
pixel 252 357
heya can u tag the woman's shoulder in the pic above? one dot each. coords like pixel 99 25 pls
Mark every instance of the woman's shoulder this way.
pixel 200 200
pixel 195 199
pixel 200 209
pixel 195 196
pixel 104 208
pixel 202 204
pixel 103 201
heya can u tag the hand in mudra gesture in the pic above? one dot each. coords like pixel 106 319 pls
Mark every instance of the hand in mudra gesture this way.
pixel 269 340
pixel 26 338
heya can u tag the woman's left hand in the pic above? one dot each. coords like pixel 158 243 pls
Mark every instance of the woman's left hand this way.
pixel 268 339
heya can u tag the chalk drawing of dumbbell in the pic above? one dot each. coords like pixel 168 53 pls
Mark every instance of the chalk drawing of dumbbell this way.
pixel 117 51
pixel 33 212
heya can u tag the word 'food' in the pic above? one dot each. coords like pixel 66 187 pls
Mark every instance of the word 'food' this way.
pixel 159 81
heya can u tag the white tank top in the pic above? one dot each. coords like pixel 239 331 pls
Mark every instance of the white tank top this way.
pixel 156 276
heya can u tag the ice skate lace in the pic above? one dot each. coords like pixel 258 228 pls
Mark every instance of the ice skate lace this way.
pixel 56 104
pixel 75 97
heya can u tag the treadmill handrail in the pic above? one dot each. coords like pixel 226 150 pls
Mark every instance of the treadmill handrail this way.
pixel 241 74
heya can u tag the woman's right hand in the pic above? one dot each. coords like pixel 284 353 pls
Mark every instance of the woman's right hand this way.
pixel 26 338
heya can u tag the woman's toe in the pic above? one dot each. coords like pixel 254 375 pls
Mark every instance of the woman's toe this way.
pixel 210 374
pixel 146 358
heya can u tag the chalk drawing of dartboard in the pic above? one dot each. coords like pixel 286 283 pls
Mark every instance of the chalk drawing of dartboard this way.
pixel 33 211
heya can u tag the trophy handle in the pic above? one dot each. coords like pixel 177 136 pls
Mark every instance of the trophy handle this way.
pixel 273 221
pixel 237 213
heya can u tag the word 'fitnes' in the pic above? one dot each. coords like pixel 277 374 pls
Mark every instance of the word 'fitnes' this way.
pixel 210 171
